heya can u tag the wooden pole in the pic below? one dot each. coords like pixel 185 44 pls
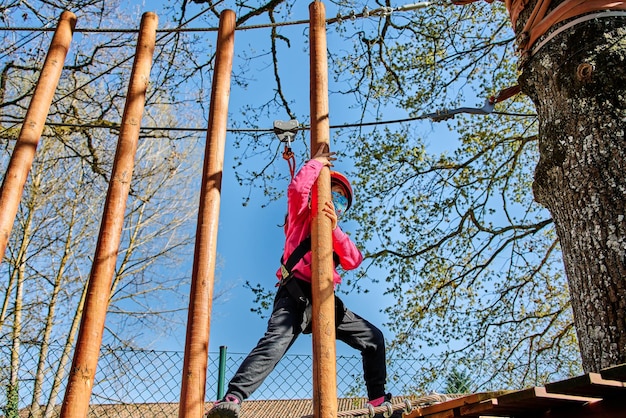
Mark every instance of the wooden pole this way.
pixel 85 361
pixel 322 287
pixel 201 294
pixel 34 121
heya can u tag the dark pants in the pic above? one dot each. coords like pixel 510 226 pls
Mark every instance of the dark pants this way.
pixel 284 326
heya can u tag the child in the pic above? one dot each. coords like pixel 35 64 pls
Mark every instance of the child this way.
pixel 291 313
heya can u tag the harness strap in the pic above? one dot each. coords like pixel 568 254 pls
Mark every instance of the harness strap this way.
pixel 294 288
pixel 297 254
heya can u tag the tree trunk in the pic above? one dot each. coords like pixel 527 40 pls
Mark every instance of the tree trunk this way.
pixel 59 280
pixel 578 84
pixel 59 375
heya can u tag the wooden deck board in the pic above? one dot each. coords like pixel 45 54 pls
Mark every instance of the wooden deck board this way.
pixel 590 384
pixel 615 373
pixel 593 395
pixel 486 407
pixel 538 398
pixel 441 410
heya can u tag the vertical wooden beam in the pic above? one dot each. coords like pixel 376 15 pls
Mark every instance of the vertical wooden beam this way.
pixel 322 287
pixel 28 139
pixel 199 316
pixel 85 361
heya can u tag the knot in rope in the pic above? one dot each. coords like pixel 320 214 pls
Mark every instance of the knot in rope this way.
pixel 290 157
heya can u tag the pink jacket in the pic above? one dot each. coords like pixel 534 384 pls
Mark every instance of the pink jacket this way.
pixel 298 226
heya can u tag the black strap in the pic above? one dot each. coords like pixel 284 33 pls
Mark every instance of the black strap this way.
pixel 297 254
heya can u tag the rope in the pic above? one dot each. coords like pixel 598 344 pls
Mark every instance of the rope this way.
pixel 438 116
pixel 388 409
pixel 290 157
pixel 382 11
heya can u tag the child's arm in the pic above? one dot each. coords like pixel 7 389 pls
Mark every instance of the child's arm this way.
pixel 349 255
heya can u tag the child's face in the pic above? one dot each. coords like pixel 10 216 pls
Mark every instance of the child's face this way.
pixel 340 200
pixel 337 188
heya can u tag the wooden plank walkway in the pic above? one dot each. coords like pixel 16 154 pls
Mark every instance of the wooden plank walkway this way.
pixel 592 395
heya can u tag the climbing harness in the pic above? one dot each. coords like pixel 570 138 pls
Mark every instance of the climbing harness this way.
pixel 294 285
pixel 285 132
pixel 296 255
pixel 286 267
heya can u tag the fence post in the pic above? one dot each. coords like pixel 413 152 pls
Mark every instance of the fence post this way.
pixel 85 361
pixel 193 385
pixel 322 287
pixel 221 373
pixel 34 121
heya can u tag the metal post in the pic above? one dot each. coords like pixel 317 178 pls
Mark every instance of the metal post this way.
pixel 201 294
pixel 85 361
pixel 34 121
pixel 323 303
pixel 221 373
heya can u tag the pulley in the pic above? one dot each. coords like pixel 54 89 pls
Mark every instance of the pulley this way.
pixel 286 131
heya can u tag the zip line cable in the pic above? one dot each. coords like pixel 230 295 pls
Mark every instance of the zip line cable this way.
pixel 435 117
pixel 22 42
pixel 382 11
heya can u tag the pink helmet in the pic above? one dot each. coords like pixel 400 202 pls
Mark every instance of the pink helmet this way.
pixel 338 178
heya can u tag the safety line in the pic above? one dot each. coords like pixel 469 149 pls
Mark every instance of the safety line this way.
pixel 435 117
pixel 382 11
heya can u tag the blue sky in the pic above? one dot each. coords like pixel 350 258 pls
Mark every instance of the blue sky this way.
pixel 250 239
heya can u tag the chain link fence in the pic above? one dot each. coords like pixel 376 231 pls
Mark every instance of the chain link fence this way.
pixel 128 378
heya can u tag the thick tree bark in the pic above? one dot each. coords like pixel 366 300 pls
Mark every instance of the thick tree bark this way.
pixel 578 84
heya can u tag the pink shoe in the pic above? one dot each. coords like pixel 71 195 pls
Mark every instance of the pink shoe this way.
pixel 226 408
pixel 383 401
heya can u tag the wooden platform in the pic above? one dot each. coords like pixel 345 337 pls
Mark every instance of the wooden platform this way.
pixel 593 395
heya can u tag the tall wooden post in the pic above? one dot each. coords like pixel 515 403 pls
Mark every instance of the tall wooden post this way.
pixel 28 139
pixel 324 349
pixel 85 361
pixel 200 301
